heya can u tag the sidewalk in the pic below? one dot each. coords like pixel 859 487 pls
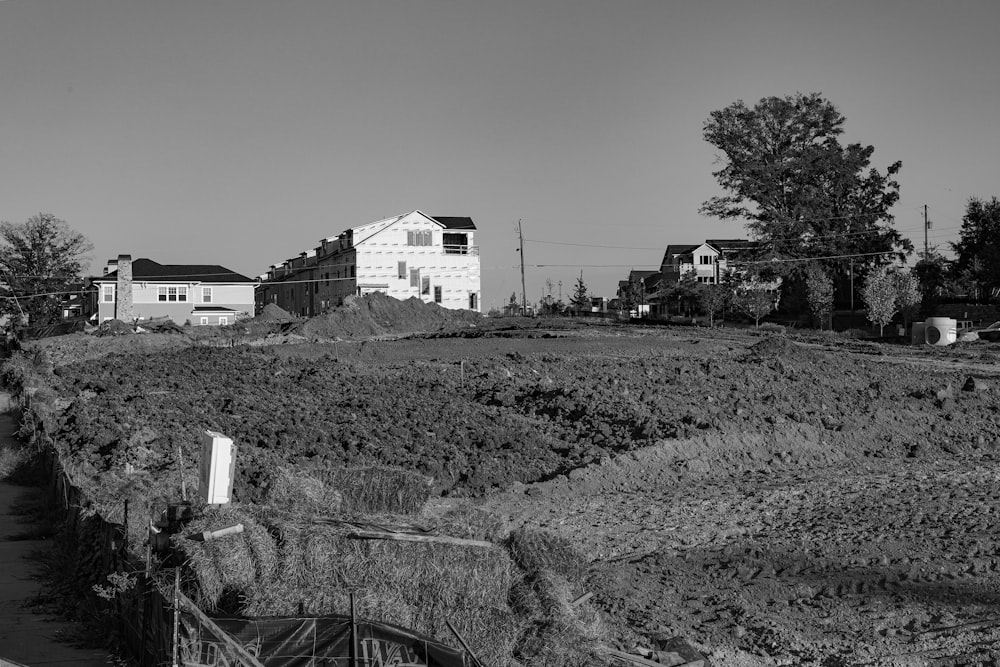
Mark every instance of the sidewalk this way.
pixel 28 638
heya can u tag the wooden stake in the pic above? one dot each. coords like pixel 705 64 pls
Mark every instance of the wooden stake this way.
pixel 461 640
pixel 177 614
pixel 354 633
pixel 180 465
pixel 407 537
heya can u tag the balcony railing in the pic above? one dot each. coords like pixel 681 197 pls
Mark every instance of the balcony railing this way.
pixel 461 249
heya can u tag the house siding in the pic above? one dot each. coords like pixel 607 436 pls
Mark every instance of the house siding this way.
pixel 146 304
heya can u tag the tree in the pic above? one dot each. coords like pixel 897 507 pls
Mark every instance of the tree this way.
pixel 713 300
pixel 819 293
pixel 978 248
pixel 684 292
pixel 580 300
pixel 879 295
pixel 755 301
pixel 802 193
pixel 39 261
pixel 632 296
pixel 933 273
pixel 908 295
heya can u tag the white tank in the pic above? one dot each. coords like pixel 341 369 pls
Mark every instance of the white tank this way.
pixel 940 330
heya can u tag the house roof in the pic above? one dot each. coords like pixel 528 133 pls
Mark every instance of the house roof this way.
pixel 453 222
pixel 731 244
pixel 673 250
pixel 213 309
pixel 147 269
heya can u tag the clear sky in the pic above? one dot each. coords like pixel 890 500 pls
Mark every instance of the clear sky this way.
pixel 240 132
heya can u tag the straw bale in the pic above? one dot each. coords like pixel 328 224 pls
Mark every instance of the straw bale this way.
pixel 302 489
pixel 538 551
pixel 237 565
pixel 467 520
pixel 379 489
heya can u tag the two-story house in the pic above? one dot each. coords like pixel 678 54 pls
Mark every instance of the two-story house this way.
pixel 433 258
pixel 199 294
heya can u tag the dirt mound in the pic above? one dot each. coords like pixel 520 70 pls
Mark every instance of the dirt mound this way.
pixel 779 347
pixel 274 313
pixel 114 328
pixel 377 314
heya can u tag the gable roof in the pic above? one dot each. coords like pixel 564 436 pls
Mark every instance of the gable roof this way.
pixel 673 250
pixel 148 270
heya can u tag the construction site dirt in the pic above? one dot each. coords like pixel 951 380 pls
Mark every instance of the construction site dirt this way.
pixel 775 499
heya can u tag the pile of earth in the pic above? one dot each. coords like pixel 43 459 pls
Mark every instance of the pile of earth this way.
pixel 360 317
pixel 483 414
pixel 377 314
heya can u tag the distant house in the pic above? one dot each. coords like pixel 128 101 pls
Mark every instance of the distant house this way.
pixel 432 258
pixel 708 260
pixel 199 294
pixel 647 283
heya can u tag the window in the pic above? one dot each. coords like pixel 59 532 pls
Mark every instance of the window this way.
pixel 401 271
pixel 108 294
pixel 353 269
pixel 437 294
pixel 223 320
pixel 706 259
pixel 414 277
pixel 206 295
pixel 425 285
pixel 204 320
pixel 178 293
pixel 419 237
pixel 473 305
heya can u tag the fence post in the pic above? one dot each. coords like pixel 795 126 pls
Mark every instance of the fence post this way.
pixel 177 614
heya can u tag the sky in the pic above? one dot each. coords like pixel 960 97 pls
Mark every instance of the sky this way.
pixel 241 132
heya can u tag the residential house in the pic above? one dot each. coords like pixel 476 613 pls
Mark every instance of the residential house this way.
pixel 647 283
pixel 433 258
pixel 199 294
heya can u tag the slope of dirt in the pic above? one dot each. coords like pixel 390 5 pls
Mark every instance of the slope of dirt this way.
pixel 773 501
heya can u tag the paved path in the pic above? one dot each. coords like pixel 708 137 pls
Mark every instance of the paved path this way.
pixel 26 637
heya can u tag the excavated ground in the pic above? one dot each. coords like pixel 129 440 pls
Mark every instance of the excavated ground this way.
pixel 815 501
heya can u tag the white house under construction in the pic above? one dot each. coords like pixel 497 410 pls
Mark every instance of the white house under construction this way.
pixel 433 258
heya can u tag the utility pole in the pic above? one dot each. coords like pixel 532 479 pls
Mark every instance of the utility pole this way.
pixel 852 285
pixel 524 297
pixel 927 225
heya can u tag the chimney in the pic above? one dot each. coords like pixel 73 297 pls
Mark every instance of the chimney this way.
pixel 123 303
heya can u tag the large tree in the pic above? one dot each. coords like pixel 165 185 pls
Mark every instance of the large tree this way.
pixel 977 252
pixel 40 259
pixel 801 193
